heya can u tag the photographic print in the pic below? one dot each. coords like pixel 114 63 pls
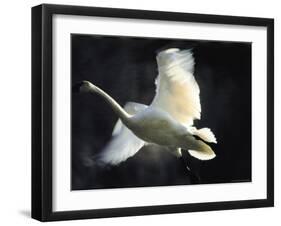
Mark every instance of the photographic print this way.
pixel 159 112
pixel 138 112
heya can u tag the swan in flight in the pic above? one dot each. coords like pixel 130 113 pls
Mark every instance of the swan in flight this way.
pixel 167 121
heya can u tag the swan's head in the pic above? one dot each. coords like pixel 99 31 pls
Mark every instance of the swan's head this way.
pixel 84 86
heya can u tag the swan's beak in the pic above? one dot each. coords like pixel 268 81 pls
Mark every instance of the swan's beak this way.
pixel 76 87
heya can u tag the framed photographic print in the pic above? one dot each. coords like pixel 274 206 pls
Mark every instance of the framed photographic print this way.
pixel 145 112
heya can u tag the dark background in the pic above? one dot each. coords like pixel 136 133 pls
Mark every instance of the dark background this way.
pixel 125 67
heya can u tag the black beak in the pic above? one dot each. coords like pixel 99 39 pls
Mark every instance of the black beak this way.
pixel 76 87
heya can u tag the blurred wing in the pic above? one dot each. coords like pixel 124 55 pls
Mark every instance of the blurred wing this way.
pixel 177 91
pixel 120 148
pixel 124 143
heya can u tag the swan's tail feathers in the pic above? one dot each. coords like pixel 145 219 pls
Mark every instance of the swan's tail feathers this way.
pixel 204 152
pixel 206 134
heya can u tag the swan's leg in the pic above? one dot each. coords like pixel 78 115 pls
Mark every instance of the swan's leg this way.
pixel 184 158
pixel 192 165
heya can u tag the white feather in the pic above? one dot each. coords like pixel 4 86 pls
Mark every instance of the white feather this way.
pixel 120 147
pixel 177 91
pixel 205 134
pixel 170 115
pixel 202 155
pixel 124 143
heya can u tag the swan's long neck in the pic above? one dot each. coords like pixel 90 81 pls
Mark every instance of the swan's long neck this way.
pixel 89 87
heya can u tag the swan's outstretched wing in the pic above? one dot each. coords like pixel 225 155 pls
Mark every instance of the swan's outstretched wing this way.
pixel 123 143
pixel 177 91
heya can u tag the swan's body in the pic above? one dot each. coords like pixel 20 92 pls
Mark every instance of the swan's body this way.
pixel 167 121
pixel 163 129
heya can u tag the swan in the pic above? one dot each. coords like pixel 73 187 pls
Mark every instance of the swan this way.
pixel 167 121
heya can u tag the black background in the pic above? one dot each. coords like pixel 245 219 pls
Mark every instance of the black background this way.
pixel 125 68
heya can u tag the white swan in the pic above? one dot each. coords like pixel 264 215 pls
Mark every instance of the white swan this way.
pixel 167 121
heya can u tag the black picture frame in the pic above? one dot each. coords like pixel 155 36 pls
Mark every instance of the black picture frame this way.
pixel 42 85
